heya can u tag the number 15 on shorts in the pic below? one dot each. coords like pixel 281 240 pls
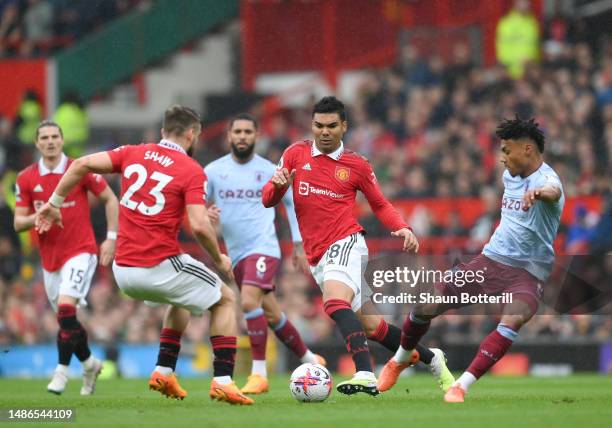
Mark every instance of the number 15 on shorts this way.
pixel 77 277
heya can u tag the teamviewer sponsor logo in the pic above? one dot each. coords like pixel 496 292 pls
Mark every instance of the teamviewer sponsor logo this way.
pixel 306 189
pixel 303 188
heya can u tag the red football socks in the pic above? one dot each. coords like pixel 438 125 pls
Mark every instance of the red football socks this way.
pixel 491 350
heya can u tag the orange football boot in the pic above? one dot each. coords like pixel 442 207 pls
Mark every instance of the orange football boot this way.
pixel 228 393
pixel 256 384
pixel 455 394
pixel 391 371
pixel 167 385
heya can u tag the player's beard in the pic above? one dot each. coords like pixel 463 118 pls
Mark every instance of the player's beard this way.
pixel 242 154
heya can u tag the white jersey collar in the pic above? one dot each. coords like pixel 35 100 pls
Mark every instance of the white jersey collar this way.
pixel 335 155
pixel 59 169
pixel 172 145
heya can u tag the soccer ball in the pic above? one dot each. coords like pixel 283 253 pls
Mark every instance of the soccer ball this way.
pixel 310 383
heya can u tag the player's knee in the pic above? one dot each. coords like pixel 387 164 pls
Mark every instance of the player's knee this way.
pixel 368 330
pixel 370 324
pixel 517 314
pixel 272 313
pixel 426 311
pixel 228 297
pixel 247 304
pixel 66 300
pixel 514 322
pixel 272 318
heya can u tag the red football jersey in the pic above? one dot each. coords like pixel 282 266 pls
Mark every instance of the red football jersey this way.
pixel 158 181
pixel 324 191
pixel 34 186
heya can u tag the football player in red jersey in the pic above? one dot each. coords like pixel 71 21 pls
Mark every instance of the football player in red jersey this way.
pixel 326 177
pixel 234 185
pixel 159 183
pixel 68 253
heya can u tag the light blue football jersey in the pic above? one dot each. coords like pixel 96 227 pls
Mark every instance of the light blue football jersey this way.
pixel 248 227
pixel 525 238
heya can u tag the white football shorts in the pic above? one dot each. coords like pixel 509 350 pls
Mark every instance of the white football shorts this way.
pixel 179 281
pixel 72 279
pixel 345 261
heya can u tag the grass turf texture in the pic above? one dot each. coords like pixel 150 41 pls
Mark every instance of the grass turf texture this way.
pixel 577 401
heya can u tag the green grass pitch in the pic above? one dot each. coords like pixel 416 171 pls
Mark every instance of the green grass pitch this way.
pixel 581 401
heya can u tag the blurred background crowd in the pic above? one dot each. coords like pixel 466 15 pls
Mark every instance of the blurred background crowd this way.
pixel 427 125
pixel 31 28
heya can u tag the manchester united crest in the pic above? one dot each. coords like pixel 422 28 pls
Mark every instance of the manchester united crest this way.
pixel 343 173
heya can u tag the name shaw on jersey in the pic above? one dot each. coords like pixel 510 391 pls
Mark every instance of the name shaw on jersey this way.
pixel 163 160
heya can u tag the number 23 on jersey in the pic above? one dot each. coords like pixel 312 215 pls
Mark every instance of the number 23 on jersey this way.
pixel 141 178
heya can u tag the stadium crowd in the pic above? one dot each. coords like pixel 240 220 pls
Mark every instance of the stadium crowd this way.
pixel 427 126
pixel 30 28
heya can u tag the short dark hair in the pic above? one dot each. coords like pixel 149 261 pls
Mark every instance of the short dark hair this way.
pixel 48 122
pixel 330 104
pixel 243 116
pixel 517 129
pixel 179 119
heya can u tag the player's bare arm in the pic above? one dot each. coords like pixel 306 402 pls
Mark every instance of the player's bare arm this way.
pixel 111 207
pixel 50 214
pixel 204 232
pixel 411 242
pixel 299 259
pixel 547 193
pixel 24 220
pixel 282 178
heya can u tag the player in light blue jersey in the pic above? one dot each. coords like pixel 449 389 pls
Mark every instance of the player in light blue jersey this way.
pixel 235 184
pixel 517 260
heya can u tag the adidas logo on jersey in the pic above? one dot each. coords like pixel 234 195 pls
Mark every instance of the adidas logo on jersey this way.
pixel 38 188
pixel 307 167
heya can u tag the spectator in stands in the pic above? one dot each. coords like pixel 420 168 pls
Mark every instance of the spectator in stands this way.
pixel 603 82
pixel 415 70
pixel 37 24
pixel 74 121
pixel 487 222
pixel 29 115
pixel 517 38
pixel 72 17
pixel 10 248
pixel 7 142
pixel 460 67
pixel 10 25
pixel 580 232
pixel 34 27
pixel 602 237
pixel 13 158
pixel 557 31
